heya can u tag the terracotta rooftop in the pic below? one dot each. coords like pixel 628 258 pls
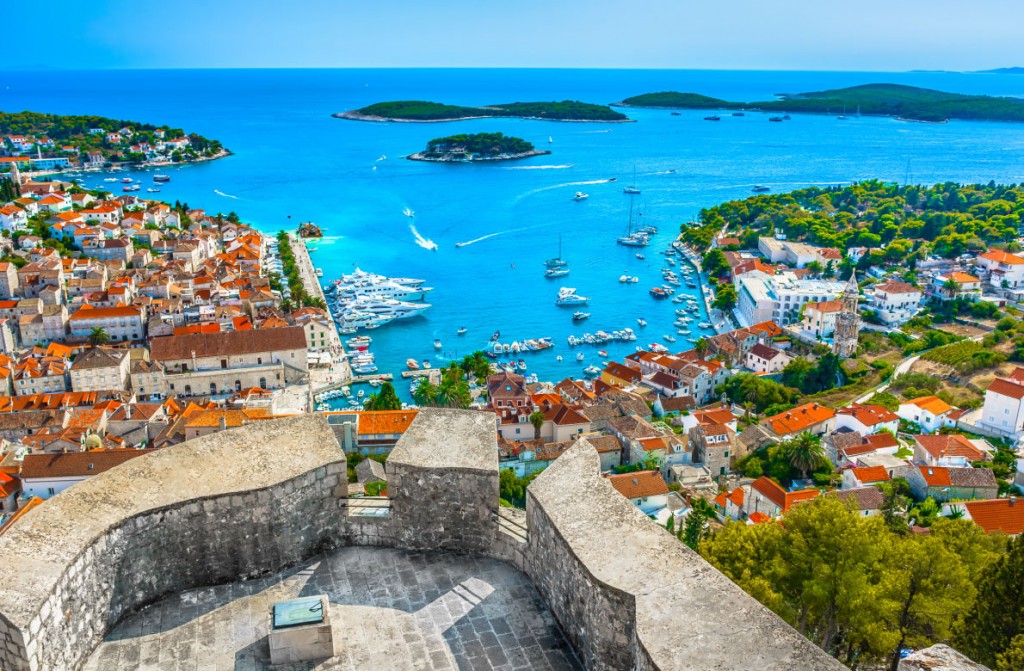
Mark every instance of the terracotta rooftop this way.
pixel 779 496
pixel 952 445
pixel 75 464
pixel 639 485
pixel 1007 388
pixel 798 419
pixel 869 474
pixel 932 404
pixel 998 515
pixel 868 414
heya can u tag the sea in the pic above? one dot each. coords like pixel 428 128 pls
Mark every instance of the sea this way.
pixel 293 162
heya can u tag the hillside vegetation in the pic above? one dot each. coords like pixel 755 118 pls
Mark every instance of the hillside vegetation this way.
pixel 419 110
pixel 910 221
pixel 483 144
pixel 905 102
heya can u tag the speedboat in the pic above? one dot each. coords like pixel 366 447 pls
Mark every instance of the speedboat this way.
pixel 161 178
pixel 591 371
pixel 437 343
pixel 641 257
pixel 110 179
pixel 579 316
pixel 521 364
pixel 601 352
pixel 495 336
pixel 579 356
pixel 659 292
pixel 713 118
pixel 775 119
pixel 152 190
pixel 632 190
pixel 760 188
pixel 552 273
pixel 409 213
pixel 704 325
pixel 641 321
pixel 411 364
pixel 126 180
pixel 580 196
pixel 462 330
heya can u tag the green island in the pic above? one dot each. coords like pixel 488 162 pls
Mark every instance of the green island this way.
pixel 418 110
pixel 467 148
pixel 904 102
pixel 98 141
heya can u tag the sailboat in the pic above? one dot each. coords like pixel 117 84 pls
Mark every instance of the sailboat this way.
pixel 632 238
pixel 842 117
pixel 550 139
pixel 557 263
pixel 632 190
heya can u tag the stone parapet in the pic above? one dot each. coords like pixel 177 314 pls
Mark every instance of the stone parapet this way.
pixel 254 500
pixel 231 505
pixel 630 596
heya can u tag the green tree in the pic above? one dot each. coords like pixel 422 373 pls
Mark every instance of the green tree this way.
pixel 1012 659
pixel 385 399
pixel 695 526
pixel 701 346
pixel 537 419
pixel 714 263
pixel 98 336
pixel 725 298
pixel 804 452
pixel 997 617
pixel 426 393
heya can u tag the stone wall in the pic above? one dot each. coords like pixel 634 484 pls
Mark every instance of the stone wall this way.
pixel 630 596
pixel 443 482
pixel 213 510
pixel 257 499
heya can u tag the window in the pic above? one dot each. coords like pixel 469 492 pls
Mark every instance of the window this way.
pixel 223 363
pixel 51 491
pixel 259 361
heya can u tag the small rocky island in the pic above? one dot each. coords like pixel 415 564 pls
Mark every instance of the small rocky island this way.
pixel 421 111
pixel 465 148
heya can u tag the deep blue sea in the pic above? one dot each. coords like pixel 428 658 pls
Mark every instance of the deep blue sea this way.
pixel 293 162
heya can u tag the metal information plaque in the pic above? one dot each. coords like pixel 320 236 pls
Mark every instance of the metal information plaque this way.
pixel 308 610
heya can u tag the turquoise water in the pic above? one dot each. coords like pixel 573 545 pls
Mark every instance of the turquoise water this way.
pixel 293 162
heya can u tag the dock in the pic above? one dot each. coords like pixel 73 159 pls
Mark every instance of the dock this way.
pixel 433 374
pixel 356 379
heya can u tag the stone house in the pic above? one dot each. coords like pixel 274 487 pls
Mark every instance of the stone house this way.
pixel 100 368
pixel 810 417
pixel 957 484
pixel 930 413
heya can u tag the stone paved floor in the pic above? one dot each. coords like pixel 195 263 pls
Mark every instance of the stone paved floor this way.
pixel 390 610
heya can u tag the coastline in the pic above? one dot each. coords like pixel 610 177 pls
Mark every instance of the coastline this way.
pixel 419 156
pixel 354 115
pixel 808 112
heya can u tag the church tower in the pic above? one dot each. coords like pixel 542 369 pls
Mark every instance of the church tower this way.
pixel 844 340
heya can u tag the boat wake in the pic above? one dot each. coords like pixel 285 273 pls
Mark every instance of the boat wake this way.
pixel 425 243
pixel 226 195
pixel 540 167
pixel 490 235
pixel 409 213
pixel 541 189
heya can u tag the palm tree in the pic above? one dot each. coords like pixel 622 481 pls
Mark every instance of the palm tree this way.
pixel 950 287
pixel 537 419
pixel 426 393
pixel 98 336
pixel 805 452
pixel 701 346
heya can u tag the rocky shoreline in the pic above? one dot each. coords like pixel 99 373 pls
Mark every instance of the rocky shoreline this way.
pixel 420 156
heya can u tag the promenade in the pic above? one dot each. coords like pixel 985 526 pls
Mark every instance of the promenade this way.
pixel 338 370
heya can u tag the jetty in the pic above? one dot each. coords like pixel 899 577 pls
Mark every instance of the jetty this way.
pixel 307 273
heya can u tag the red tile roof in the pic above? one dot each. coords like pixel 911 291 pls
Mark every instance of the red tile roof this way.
pixel 798 419
pixel 1002 515
pixel 640 484
pixel 779 496
pixel 1006 388
pixel 953 445
pixel 869 474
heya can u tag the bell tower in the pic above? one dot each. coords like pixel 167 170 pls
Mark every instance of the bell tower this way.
pixel 844 340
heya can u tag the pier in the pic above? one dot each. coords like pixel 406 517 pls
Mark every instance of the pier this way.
pixel 307 273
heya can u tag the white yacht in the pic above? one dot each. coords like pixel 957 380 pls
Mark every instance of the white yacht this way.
pixel 568 296
pixel 580 196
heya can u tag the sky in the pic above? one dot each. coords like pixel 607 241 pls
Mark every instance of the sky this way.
pixel 866 35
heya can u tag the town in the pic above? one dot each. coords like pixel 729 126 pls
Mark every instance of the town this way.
pixel 129 325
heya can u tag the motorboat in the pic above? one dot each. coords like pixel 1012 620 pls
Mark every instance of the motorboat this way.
pixel 579 356
pixel 668 338
pixel 110 179
pixel 591 371
pixel 409 213
pixel 761 188
pixel 426 365
pixel 552 273
pixel 775 119
pixel 738 114
pixel 568 296
pixel 437 343
pixel 580 196
pixel 713 118
pixel 659 292
pixel 462 330
pixel 495 336
pixel 411 364
pixel 126 180
pixel 521 364
pixel 602 353
pixel 152 190
pixel 161 178
pixel 579 316
pixel 641 257
pixel 641 321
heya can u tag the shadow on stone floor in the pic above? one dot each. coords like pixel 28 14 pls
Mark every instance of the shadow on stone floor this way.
pixel 390 609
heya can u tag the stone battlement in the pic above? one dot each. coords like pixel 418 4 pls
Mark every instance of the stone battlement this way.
pixel 267 496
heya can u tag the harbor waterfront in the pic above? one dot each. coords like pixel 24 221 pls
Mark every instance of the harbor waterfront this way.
pixel 479 234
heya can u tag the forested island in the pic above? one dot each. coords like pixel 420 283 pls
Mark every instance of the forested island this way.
pixel 419 110
pixel 904 102
pixel 76 137
pixel 465 148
